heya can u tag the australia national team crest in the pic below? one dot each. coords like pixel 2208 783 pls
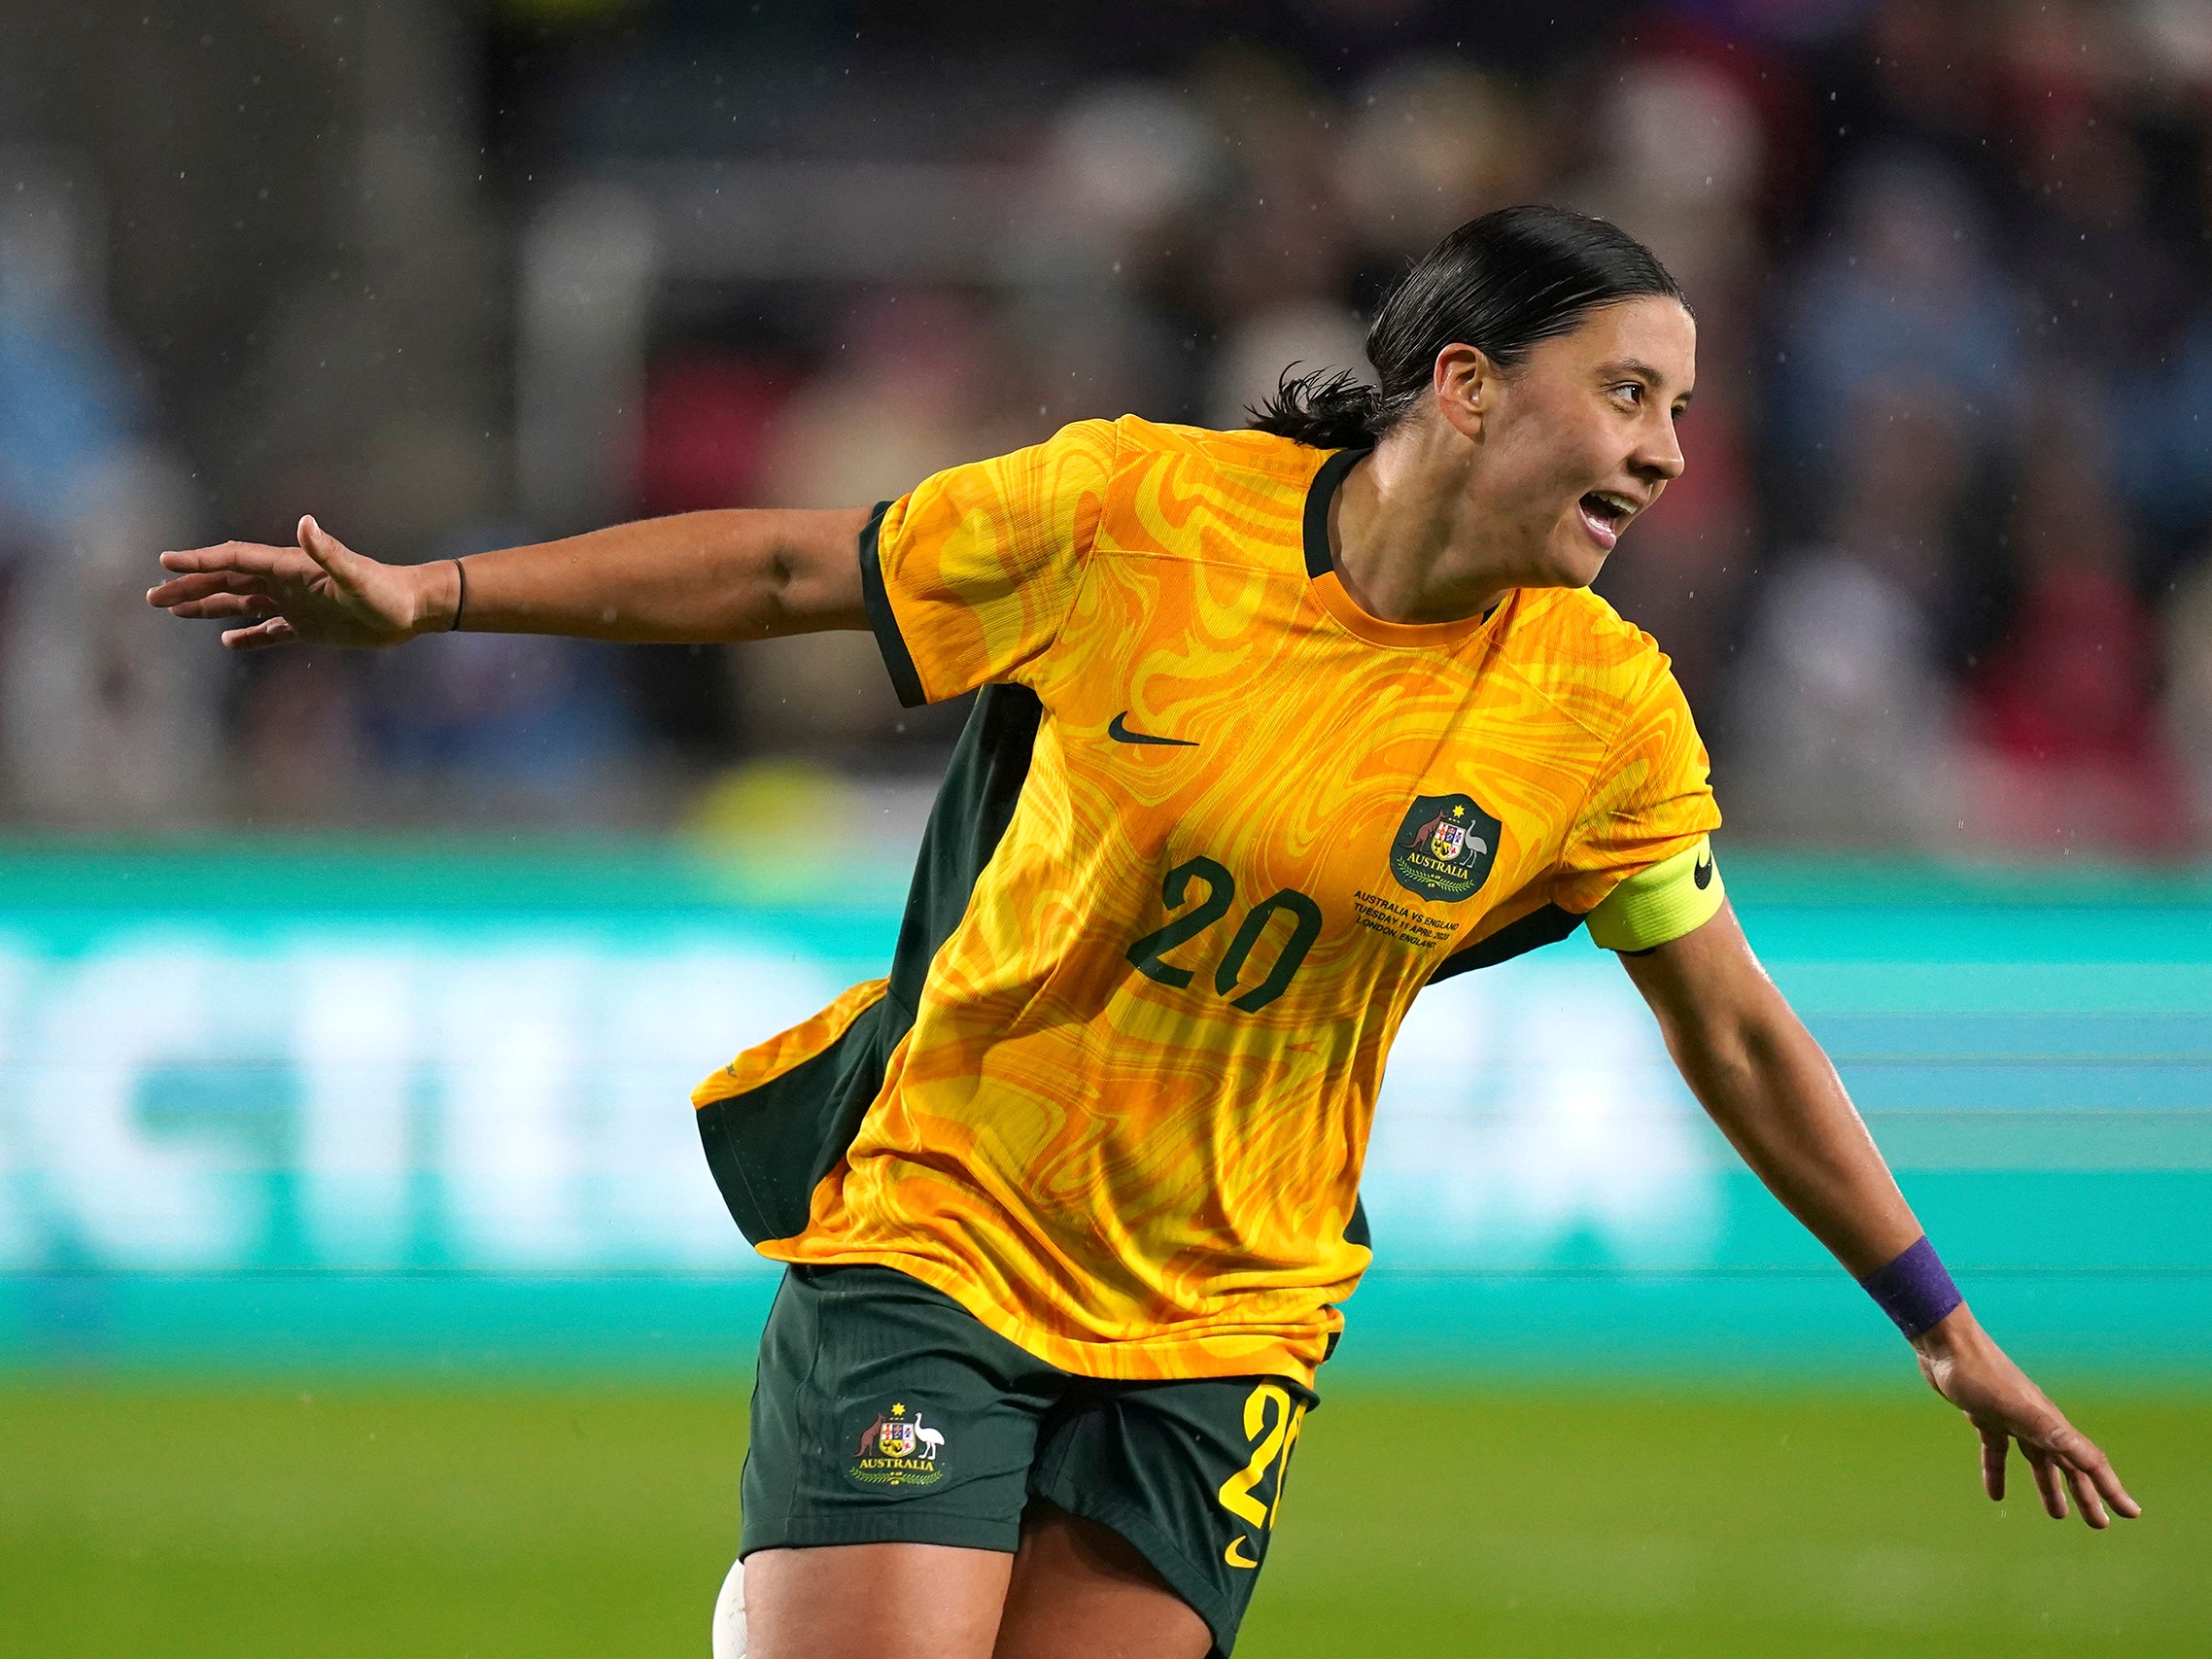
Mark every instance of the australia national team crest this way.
pixel 1444 848
pixel 898 1449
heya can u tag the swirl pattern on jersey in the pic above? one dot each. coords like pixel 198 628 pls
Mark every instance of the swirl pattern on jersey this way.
pixel 1125 1127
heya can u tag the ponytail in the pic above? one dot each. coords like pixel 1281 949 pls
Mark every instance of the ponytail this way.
pixel 1324 409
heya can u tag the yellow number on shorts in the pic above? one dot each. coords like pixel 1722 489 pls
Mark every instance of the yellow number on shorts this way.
pixel 1235 1494
pixel 1282 1468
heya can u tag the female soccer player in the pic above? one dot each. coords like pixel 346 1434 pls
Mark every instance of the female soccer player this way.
pixel 1275 728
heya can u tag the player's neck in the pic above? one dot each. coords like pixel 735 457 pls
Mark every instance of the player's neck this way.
pixel 1399 538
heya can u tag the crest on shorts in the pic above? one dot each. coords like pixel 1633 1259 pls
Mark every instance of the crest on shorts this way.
pixel 1444 848
pixel 898 1449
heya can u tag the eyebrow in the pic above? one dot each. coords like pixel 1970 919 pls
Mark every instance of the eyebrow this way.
pixel 1642 371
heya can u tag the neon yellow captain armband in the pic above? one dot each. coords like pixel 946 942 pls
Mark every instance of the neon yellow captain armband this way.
pixel 1657 906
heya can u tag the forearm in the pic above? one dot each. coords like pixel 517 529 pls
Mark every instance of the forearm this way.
pixel 1777 1097
pixel 695 578
pixel 1772 1092
pixel 1765 1082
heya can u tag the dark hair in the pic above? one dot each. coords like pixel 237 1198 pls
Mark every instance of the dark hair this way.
pixel 1503 283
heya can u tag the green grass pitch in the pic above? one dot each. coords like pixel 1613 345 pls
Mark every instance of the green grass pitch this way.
pixel 175 1518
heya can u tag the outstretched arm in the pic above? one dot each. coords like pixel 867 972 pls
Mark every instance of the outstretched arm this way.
pixel 696 579
pixel 1771 1091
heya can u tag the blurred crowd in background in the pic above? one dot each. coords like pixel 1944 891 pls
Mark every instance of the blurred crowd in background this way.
pixel 1939 576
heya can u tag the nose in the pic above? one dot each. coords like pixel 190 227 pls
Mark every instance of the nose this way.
pixel 1658 458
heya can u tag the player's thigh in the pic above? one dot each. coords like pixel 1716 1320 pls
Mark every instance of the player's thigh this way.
pixel 1190 1474
pixel 892 1442
pixel 1081 1591
pixel 874 1601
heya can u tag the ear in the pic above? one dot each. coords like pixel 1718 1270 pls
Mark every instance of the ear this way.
pixel 1467 384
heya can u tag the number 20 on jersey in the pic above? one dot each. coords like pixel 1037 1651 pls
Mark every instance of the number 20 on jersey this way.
pixel 1148 956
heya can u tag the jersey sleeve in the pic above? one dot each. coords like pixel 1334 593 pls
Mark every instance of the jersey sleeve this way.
pixel 969 576
pixel 1639 863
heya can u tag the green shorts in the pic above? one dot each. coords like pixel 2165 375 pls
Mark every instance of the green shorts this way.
pixel 884 1412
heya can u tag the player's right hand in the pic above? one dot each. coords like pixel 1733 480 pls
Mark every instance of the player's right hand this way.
pixel 320 593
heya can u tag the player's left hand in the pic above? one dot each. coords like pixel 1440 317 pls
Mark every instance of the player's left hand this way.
pixel 1970 1370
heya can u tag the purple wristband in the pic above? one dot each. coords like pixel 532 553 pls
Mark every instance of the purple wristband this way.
pixel 1913 1290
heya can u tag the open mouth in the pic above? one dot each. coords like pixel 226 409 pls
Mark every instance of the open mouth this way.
pixel 1604 514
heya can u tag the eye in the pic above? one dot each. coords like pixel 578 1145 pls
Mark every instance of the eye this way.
pixel 1631 390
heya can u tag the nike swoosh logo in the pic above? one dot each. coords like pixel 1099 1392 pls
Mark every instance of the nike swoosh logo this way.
pixel 1117 729
pixel 1703 874
pixel 1231 1555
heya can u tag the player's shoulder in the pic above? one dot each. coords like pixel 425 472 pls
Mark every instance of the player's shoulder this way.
pixel 1575 649
pixel 1254 455
pixel 1197 458
pixel 1226 498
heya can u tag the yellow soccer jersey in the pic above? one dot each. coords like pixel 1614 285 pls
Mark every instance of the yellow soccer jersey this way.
pixel 1211 829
